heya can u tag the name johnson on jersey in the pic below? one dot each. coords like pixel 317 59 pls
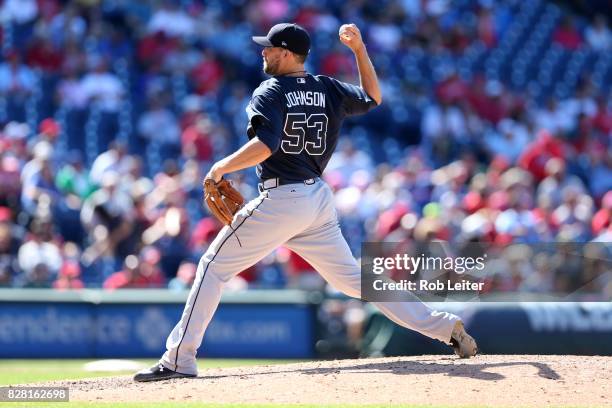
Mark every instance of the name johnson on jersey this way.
pixel 305 98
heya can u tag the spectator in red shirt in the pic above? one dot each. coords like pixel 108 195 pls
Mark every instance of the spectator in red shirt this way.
pixel 603 218
pixel 69 277
pixel 567 35
pixel 536 154
pixel 308 17
pixel 43 55
pixel 489 99
pixel 207 75
pixel 390 220
pixel 337 64
pixel 195 140
pixel 203 234
pixel 126 277
pixel 300 274
pixel 155 47
pixel 602 120
pixel 452 89
pixel 135 274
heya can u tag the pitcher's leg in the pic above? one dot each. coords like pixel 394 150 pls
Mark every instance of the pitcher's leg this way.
pixel 254 233
pixel 327 251
pixel 186 337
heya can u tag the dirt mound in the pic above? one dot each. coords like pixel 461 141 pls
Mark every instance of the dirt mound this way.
pixel 442 380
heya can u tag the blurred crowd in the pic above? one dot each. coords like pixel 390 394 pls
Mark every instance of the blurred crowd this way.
pixel 114 110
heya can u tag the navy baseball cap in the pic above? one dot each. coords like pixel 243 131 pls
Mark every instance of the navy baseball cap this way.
pixel 286 35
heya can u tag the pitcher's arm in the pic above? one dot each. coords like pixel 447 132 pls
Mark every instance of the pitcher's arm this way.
pixel 251 154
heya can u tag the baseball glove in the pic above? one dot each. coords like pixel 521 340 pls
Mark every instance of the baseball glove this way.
pixel 222 199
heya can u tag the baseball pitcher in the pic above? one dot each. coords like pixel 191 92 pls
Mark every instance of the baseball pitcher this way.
pixel 294 119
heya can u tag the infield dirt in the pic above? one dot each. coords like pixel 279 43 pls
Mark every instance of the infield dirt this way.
pixel 487 380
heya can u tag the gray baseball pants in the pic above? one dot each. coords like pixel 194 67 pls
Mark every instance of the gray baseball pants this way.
pixel 301 217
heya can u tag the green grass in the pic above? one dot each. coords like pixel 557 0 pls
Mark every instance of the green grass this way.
pixel 32 371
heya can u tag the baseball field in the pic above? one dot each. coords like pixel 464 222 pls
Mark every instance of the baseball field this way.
pixel 440 381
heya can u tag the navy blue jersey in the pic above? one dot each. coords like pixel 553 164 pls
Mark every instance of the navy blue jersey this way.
pixel 299 119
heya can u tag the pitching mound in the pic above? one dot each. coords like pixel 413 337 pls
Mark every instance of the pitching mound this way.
pixel 528 381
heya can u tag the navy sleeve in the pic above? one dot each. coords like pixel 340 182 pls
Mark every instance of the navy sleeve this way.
pixel 265 112
pixel 355 100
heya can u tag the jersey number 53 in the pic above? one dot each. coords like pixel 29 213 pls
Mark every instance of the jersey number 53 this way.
pixel 305 133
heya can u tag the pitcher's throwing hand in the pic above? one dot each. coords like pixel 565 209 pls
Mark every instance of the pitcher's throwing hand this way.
pixel 350 36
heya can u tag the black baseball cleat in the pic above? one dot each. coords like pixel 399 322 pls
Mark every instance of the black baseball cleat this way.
pixel 463 344
pixel 158 373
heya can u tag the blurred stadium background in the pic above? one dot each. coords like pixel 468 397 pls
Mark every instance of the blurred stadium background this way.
pixel 496 127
